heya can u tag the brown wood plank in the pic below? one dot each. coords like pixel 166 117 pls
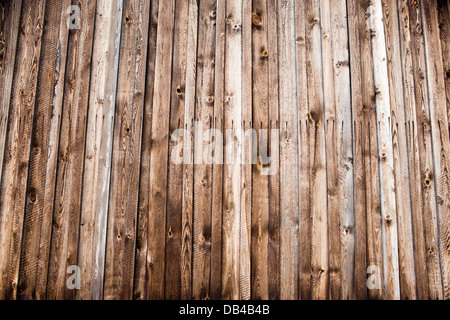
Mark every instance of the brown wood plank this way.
pixel 232 176
pixel 123 204
pixel 247 145
pixel 331 128
pixel 412 131
pixel 217 175
pixel 304 165
pixel 72 139
pixel 157 209
pixel 274 176
pixel 188 154
pixel 368 251
pixel 140 273
pixel 400 152
pixel 175 171
pixel 317 154
pixel 344 146
pixel 422 124
pixel 44 155
pixel 260 192
pixel 17 145
pixel 98 151
pixel 439 133
pixel 289 188
pixel 10 13
pixel 204 115
pixel 444 34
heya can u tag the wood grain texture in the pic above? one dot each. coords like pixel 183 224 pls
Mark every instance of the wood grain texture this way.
pixel 224 149
pixel 260 194
pixel 439 133
pixel 203 175
pixel 274 178
pixel 175 172
pixel 18 144
pixel 140 270
pixel 303 152
pixel 218 168
pixel 157 209
pixel 188 154
pixel 9 34
pixel 344 148
pixel 400 152
pixel 232 175
pixel 418 205
pixel 126 153
pixel 289 185
pixel 385 152
pixel 98 150
pixel 44 154
pixel 425 151
pixel 367 230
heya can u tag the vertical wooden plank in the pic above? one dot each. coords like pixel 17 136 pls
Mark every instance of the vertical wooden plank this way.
pixel 188 153
pixel 344 146
pixel 247 145
pixel 317 155
pixel 439 134
pixel 428 183
pixel 98 153
pixel 400 152
pixel 204 114
pixel 71 146
pixel 217 178
pixel 444 34
pixel 261 118
pixel 331 131
pixel 274 178
pixel 123 204
pixel 303 155
pixel 17 145
pixel 175 170
pixel 140 273
pixel 9 34
pixel 413 135
pixel 44 154
pixel 289 188
pixel 10 14
pixel 232 169
pixel 159 151
pixel 385 149
pixel 368 249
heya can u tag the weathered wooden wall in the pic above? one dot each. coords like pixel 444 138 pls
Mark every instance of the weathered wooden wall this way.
pixel 359 92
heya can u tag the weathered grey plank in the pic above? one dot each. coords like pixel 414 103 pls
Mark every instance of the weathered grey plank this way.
pixel 400 152
pixel 98 151
pixel 126 152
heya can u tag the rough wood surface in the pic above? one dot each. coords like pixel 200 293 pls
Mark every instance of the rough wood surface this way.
pixel 98 150
pixel 127 138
